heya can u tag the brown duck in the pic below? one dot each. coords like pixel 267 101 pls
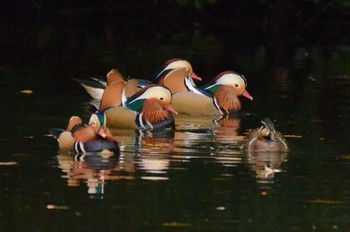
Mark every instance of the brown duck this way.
pixel 266 139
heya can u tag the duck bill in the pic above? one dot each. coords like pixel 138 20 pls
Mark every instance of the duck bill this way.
pixel 247 95
pixel 195 76
pixel 171 109
pixel 102 132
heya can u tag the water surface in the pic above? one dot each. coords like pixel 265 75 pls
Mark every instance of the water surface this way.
pixel 196 179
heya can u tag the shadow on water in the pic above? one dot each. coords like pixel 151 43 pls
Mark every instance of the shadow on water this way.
pixel 198 178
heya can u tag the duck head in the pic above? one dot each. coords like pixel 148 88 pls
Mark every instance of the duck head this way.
pixel 155 93
pixel 229 78
pixel 178 63
pixel 268 131
pixel 152 104
pixel 225 88
pixel 95 129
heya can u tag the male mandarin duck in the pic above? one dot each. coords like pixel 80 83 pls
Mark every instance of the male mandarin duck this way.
pixel 147 109
pixel 96 87
pixel 225 89
pixel 265 139
pixel 92 138
pixel 184 81
pixel 218 97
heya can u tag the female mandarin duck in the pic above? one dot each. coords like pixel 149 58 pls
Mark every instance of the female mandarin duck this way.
pixel 94 137
pixel 147 109
pixel 218 97
pixel 266 138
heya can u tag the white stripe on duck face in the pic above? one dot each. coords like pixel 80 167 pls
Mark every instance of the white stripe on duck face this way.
pixel 154 92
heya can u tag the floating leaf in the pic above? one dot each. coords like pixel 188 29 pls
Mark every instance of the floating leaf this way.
pixel 27 91
pixel 176 224
pixel 8 163
pixel 57 207
pixel 220 208
pixel 293 136
pixel 328 202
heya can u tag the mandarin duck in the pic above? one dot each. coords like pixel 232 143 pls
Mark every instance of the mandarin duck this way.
pixel 96 86
pixel 92 138
pixel 147 109
pixel 225 89
pixel 184 81
pixel 219 97
pixel 266 139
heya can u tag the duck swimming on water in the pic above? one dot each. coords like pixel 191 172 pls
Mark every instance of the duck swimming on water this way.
pixel 266 139
pixel 92 138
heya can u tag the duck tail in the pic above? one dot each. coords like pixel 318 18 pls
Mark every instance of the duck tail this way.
pixel 56 132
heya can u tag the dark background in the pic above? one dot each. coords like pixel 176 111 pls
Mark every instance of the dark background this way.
pixel 81 38
pixel 295 55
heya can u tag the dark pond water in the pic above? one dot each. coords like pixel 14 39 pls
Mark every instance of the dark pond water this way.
pixel 199 179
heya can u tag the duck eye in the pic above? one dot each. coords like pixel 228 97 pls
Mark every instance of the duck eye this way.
pixel 236 85
pixel 161 99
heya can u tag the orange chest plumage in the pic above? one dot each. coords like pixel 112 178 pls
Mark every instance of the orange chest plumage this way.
pixel 226 99
pixel 153 112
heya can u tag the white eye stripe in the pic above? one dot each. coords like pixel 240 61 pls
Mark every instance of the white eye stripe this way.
pixel 154 92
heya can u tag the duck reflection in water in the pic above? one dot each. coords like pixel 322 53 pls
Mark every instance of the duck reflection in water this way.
pixel 227 128
pixel 153 151
pixel 266 150
pixel 94 169
pixel 266 164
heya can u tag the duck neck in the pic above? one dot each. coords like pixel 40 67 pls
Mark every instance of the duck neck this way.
pixel 153 112
pixel 226 100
